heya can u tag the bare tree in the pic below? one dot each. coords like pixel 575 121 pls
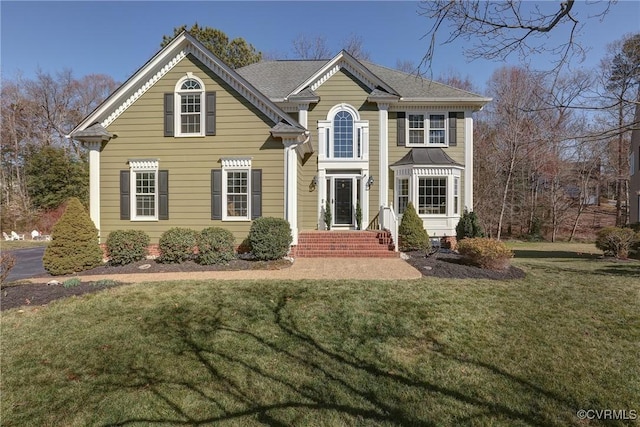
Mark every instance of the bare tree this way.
pixel 306 47
pixel 355 46
pixel 406 66
pixel 497 29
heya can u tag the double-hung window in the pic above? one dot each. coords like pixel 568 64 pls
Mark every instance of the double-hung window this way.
pixel 236 187
pixel 343 136
pixel 432 196
pixel 190 107
pixel 427 129
pixel 144 191
pixel 403 195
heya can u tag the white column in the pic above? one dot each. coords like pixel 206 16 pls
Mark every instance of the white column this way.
pixel 383 179
pixel 468 161
pixel 291 186
pixel 94 182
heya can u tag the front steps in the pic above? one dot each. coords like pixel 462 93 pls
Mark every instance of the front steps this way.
pixel 344 244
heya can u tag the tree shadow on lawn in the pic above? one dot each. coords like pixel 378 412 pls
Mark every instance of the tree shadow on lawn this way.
pixel 308 379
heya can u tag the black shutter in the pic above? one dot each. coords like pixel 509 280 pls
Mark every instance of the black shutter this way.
pixel 401 129
pixel 453 128
pixel 163 194
pixel 168 114
pixel 256 193
pixel 210 118
pixel 125 193
pixel 216 194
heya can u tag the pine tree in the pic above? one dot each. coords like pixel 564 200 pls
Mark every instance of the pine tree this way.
pixel 411 233
pixel 74 243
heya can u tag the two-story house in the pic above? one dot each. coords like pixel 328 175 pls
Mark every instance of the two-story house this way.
pixel 187 141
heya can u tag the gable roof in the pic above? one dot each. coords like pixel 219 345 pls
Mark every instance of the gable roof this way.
pixel 283 80
pixel 152 71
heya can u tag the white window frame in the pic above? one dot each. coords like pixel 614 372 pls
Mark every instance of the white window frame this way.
pixel 446 196
pixel 143 166
pixel 426 139
pixel 360 138
pixel 398 191
pixel 179 92
pixel 230 165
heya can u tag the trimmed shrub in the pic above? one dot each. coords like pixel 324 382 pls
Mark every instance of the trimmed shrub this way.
pixel 215 246
pixel 74 243
pixel 469 226
pixel 616 241
pixel 411 233
pixel 327 216
pixel 486 253
pixel 270 238
pixel 127 246
pixel 177 245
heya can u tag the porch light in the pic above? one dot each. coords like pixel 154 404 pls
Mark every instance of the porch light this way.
pixel 314 183
pixel 370 181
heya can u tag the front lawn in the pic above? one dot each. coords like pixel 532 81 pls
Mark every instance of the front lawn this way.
pixel 428 352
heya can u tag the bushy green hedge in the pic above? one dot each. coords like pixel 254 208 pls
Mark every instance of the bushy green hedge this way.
pixel 486 253
pixel 177 245
pixel 270 238
pixel 468 226
pixel 616 241
pixel 127 246
pixel 74 243
pixel 215 246
pixel 411 233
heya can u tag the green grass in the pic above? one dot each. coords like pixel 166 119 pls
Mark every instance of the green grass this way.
pixel 323 353
pixel 21 244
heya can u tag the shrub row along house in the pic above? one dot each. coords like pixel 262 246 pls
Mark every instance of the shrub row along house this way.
pixel 188 141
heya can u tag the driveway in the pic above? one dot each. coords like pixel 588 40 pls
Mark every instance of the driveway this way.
pixel 28 264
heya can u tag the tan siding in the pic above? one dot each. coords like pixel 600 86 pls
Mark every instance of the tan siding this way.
pixel 241 130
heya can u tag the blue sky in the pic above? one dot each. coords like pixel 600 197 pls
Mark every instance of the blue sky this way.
pixel 116 38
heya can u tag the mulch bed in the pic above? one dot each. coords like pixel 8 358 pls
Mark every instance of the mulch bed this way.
pixel 445 264
pixel 450 265
pixel 19 294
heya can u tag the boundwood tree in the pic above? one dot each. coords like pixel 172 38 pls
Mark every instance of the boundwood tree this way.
pixel 236 53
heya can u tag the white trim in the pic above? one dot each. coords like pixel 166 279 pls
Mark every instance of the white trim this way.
pixel 291 186
pixel 348 62
pixel 177 104
pixel 236 162
pixel 148 84
pixel 94 182
pixel 468 160
pixel 142 166
pixel 360 135
pixel 383 170
pixel 235 166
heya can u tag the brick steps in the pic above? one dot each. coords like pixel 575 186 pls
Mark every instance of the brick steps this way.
pixel 344 244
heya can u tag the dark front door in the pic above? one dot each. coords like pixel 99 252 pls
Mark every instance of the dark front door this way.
pixel 344 201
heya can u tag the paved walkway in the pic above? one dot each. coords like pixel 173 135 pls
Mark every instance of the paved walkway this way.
pixel 302 268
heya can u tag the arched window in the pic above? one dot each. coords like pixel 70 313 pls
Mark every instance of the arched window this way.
pixel 343 134
pixel 190 106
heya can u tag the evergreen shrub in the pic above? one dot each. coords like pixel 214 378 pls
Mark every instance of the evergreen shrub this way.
pixel 177 245
pixel 468 226
pixel 127 246
pixel 74 243
pixel 270 238
pixel 411 233
pixel 215 246
pixel 486 253
pixel 616 241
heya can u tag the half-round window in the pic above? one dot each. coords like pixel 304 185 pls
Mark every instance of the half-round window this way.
pixel 191 84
